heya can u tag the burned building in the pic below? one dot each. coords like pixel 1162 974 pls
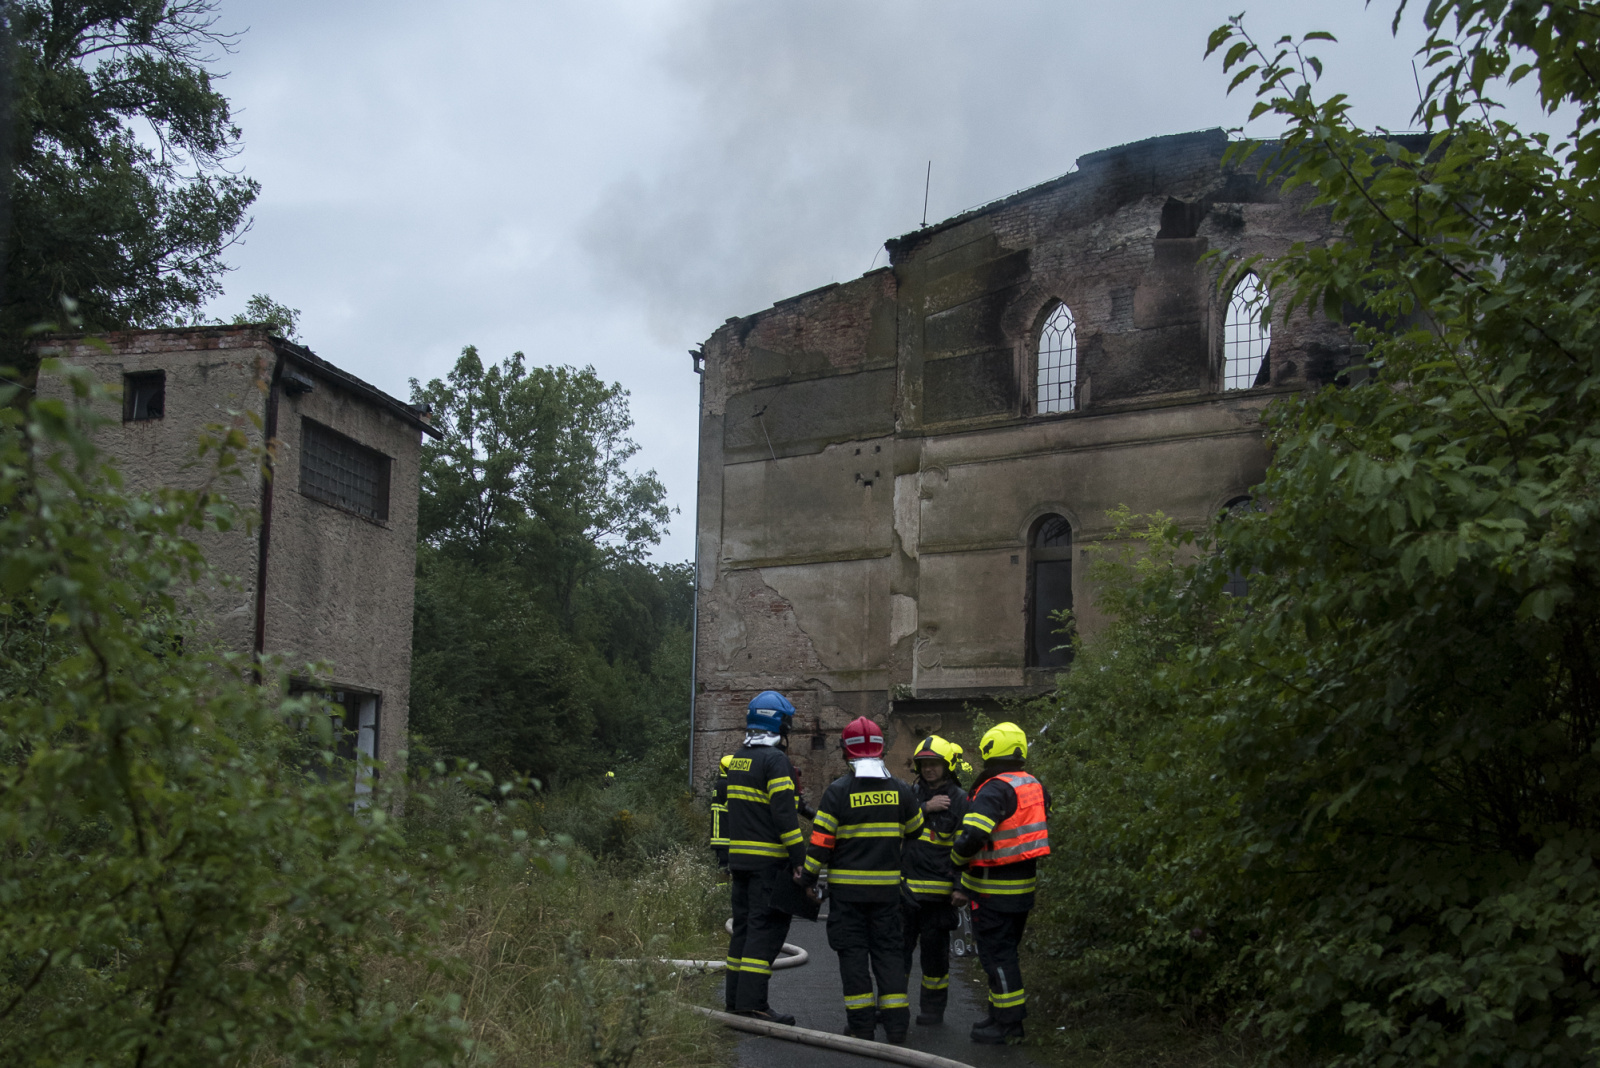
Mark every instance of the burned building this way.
pixel 325 571
pixel 899 475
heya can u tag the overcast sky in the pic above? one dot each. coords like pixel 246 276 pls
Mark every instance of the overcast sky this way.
pixel 603 182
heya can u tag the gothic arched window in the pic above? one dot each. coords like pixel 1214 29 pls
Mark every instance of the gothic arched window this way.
pixel 1049 591
pixel 1238 584
pixel 1246 336
pixel 1058 363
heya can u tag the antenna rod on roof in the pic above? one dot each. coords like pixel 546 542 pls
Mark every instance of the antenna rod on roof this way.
pixel 926 181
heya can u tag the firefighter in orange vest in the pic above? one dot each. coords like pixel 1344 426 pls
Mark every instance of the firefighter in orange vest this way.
pixel 1002 837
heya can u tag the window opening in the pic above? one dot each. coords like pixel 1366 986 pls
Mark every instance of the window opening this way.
pixel 354 718
pixel 1238 584
pixel 342 472
pixel 1050 591
pixel 1058 363
pixel 1246 337
pixel 144 396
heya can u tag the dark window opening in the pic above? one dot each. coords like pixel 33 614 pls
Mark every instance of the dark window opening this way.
pixel 144 396
pixel 342 472
pixel 1049 592
pixel 354 718
pixel 1238 584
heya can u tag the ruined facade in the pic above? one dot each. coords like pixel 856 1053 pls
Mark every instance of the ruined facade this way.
pixel 899 474
pixel 325 569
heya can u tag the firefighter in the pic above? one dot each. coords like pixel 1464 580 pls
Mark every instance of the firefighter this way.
pixel 861 824
pixel 719 813
pixel 927 878
pixel 1001 839
pixel 764 851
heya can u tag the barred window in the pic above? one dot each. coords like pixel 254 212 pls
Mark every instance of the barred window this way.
pixel 1058 363
pixel 1246 337
pixel 336 470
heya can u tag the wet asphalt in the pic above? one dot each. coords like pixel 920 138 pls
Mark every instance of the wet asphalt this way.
pixel 813 994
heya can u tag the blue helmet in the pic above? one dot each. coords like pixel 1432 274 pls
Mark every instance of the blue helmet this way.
pixel 769 711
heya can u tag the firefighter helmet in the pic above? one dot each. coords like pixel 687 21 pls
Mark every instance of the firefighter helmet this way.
pixel 934 747
pixel 769 711
pixel 862 738
pixel 724 762
pixel 1004 741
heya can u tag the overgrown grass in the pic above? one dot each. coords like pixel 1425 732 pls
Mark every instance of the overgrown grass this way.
pixel 531 950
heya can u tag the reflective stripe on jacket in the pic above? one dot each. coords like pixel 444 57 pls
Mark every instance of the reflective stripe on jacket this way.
pixel 857 836
pixel 1023 835
pixel 926 872
pixel 761 825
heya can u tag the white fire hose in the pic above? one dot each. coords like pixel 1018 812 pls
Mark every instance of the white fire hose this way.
pixel 793 957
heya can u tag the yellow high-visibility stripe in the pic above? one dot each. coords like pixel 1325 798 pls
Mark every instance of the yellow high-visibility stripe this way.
pixel 980 885
pixel 936 982
pixel 930 886
pixel 858 877
pixel 777 786
pixel 894 1001
pixel 1009 1000
pixel 757 849
pixel 790 838
pixel 747 793
pixel 755 965
pixel 860 1001
pixel 732 964
pixel 914 824
pixel 827 821
pixel 930 835
pixel 973 819
pixel 869 830
pixel 813 865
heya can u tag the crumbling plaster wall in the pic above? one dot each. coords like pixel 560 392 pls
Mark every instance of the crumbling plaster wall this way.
pixel 871 463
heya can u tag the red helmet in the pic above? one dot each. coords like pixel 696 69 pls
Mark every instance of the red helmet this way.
pixel 863 738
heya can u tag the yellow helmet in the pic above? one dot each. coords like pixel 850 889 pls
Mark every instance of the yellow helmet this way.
pixel 724 762
pixel 934 747
pixel 1004 741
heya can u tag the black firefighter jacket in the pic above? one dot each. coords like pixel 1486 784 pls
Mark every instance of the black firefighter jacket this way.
pixel 926 871
pixel 761 826
pixel 857 835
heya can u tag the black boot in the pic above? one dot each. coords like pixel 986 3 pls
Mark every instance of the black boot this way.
pixel 865 1036
pixel 769 1016
pixel 998 1034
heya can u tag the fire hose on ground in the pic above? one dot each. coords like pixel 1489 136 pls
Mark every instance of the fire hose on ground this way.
pixel 794 956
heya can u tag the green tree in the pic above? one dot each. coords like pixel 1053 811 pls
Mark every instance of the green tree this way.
pixel 282 319
pixel 119 196
pixel 181 886
pixel 1406 713
pixel 539 625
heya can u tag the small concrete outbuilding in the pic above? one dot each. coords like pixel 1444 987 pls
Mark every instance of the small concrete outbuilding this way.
pixel 325 571
pixel 899 475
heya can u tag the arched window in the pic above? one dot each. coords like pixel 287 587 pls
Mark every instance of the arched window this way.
pixel 1058 363
pixel 1049 591
pixel 1246 336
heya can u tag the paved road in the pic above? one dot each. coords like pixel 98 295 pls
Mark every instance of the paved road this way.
pixel 812 994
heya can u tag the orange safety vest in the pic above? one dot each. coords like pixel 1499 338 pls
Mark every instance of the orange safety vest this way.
pixel 1025 833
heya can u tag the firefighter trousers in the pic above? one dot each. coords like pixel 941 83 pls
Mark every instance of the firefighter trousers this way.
pixel 867 936
pixel 999 936
pixel 758 933
pixel 930 924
